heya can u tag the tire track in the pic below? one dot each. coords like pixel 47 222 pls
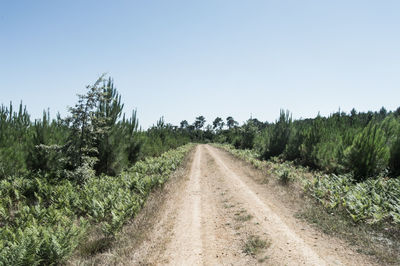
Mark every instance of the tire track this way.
pixel 187 230
pixel 283 238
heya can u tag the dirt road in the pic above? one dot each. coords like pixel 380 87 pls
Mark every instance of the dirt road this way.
pixel 221 216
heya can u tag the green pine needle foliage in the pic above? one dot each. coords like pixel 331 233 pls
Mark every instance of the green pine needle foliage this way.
pixel 369 154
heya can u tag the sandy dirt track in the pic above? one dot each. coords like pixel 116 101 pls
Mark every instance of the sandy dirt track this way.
pixel 219 208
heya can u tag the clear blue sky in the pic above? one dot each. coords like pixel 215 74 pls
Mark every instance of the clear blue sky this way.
pixel 181 59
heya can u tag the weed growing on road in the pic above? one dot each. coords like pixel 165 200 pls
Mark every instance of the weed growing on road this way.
pixel 228 206
pixel 254 245
pixel 244 218
pixel 263 259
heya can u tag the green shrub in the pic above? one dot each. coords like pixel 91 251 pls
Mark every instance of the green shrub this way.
pixel 246 136
pixel 276 136
pixel 311 135
pixel 369 154
pixel 394 161
pixel 327 155
pixel 285 177
pixel 292 151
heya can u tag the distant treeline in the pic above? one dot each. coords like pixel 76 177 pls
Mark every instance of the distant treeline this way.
pixel 97 135
pixel 365 144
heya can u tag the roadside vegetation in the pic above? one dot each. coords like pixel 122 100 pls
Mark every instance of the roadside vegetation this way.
pixel 363 213
pixel 62 178
pixel 354 158
pixel 347 166
pixel 372 201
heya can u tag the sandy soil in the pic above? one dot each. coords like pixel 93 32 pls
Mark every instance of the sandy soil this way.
pixel 219 207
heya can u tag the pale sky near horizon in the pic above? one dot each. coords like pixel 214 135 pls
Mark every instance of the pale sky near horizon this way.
pixel 182 59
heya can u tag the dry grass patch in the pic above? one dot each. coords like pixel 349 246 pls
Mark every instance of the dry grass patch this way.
pixel 379 240
pixel 255 245
pixel 243 218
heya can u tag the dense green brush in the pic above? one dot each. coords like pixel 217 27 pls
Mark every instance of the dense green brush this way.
pixel 372 201
pixel 42 222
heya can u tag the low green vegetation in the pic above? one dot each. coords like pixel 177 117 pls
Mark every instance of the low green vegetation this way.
pixel 372 200
pixel 43 221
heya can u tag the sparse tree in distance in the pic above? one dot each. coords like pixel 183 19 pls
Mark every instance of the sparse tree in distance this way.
pixel 218 123
pixel 230 122
pixel 184 124
pixel 199 122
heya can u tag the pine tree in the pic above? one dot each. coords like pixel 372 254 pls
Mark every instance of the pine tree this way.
pixel 84 132
pixel 368 154
pixel 108 142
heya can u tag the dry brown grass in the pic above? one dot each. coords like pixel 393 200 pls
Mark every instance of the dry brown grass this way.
pixel 254 245
pixel 381 241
